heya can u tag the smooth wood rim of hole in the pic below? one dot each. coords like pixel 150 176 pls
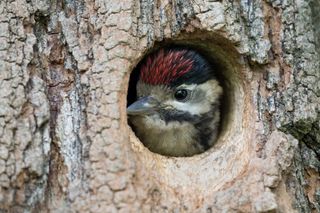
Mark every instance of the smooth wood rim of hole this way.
pixel 230 153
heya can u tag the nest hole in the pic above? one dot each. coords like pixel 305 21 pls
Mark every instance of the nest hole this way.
pixel 224 59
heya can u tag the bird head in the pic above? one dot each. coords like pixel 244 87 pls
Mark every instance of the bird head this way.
pixel 177 90
pixel 176 84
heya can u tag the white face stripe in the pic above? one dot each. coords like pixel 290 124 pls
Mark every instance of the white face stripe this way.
pixel 187 86
pixel 198 105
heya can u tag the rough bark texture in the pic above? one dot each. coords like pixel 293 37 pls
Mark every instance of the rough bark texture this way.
pixel 65 145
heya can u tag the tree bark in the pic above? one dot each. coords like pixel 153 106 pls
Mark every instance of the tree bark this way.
pixel 65 145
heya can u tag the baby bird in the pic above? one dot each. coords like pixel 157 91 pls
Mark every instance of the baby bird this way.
pixel 177 112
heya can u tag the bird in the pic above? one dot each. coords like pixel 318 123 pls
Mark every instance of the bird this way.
pixel 177 109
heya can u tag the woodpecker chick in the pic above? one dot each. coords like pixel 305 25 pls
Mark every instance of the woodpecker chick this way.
pixel 177 112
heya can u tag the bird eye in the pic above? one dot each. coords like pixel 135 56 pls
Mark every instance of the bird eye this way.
pixel 181 95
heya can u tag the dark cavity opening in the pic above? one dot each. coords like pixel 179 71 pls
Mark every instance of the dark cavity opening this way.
pixel 223 73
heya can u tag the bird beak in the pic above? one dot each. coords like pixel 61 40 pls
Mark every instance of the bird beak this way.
pixel 143 106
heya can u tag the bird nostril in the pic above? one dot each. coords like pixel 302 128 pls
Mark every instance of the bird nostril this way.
pixel 152 101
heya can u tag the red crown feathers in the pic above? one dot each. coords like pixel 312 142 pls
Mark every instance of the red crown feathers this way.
pixel 165 66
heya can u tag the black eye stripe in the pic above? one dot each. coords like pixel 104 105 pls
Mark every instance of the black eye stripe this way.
pixel 178 115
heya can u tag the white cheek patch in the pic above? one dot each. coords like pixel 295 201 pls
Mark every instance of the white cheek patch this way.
pixel 191 107
pixel 198 105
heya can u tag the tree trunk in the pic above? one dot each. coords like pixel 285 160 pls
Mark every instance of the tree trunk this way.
pixel 65 145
